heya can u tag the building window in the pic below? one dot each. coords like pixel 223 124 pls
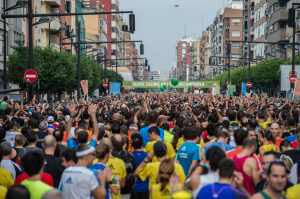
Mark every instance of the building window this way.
pixel 113 29
pixel 235 45
pixel 235 57
pixel 236 21
pixel 236 33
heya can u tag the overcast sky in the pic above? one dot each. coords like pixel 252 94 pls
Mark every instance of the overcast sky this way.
pixel 160 24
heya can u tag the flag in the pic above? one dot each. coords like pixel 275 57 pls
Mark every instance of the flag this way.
pixel 149 91
pixel 297 87
pixel 192 89
pixel 230 90
pixel 84 87
pixel 244 86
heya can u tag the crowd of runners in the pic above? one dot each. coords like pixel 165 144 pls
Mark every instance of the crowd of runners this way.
pixel 160 146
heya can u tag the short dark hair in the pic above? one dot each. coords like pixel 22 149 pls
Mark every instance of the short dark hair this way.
pixel 136 141
pixel 33 123
pixel 232 115
pixel 222 134
pixel 188 134
pixel 214 155
pixel 152 117
pixel 261 114
pixel 58 134
pixel 20 121
pixel 271 164
pixel 31 136
pixel 155 130
pixel 179 122
pixel 82 137
pixel 275 154
pixel 70 154
pixel 115 129
pixel 32 162
pixel 165 126
pixel 239 136
pixel 249 142
pixel 17 191
pixel 291 121
pixel 124 130
pixel 85 114
pixel 2 133
pixel 285 143
pixel 213 118
pixel 210 129
pixel 226 168
pixel 117 143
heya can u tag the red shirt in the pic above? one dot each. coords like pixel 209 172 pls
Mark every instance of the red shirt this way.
pixel 237 151
pixel 204 135
pixel 295 144
pixel 55 125
pixel 170 125
pixel 46 178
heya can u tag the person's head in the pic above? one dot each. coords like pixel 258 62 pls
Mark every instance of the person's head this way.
pixel 152 117
pixel 239 136
pixel 53 194
pixel 5 98
pixel 117 141
pixel 58 134
pixel 223 136
pixel 213 118
pixel 165 127
pixel 214 155
pixel 265 135
pixel 133 128
pixel 50 120
pixel 250 144
pixel 19 140
pixel 261 114
pixel 290 122
pixel 2 133
pixel 33 162
pixel 32 137
pixel 232 115
pixel 49 143
pixel 43 126
pixel 160 149
pixel 244 121
pixel 137 141
pixel 267 158
pixel 116 129
pixel 276 176
pixel 33 124
pixel 274 129
pixel 86 154
pixel 210 129
pixel 85 115
pixel 287 160
pixel 17 191
pixel 166 169
pixel 6 149
pixel 102 152
pixel 188 134
pixel 124 130
pixel 82 137
pixel 69 157
pixel 226 168
pixel 285 145
pixel 251 133
pixel 198 132
pixel 153 133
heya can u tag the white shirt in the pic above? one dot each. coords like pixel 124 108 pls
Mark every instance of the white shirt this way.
pixel 9 165
pixel 77 182
pixel 293 174
pixel 206 179
pixel 10 136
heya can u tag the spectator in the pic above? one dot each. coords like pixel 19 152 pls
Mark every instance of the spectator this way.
pixel 59 135
pixel 20 141
pixel 11 132
pixel 69 158
pixel 41 133
pixel 32 140
pixel 17 191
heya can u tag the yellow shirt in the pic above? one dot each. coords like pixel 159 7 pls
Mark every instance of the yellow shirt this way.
pixel 119 170
pixel 264 124
pixel 6 179
pixel 179 143
pixel 201 142
pixel 164 194
pixel 149 147
pixel 151 169
pixel 3 191
pixel 268 147
pixel 293 192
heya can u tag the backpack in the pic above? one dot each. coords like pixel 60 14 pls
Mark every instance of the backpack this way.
pixel 130 168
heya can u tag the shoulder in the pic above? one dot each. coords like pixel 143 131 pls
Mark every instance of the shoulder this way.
pixel 257 196
pixel 145 129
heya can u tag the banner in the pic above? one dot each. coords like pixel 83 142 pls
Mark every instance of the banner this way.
pixel 244 87
pixel 158 84
pixel 115 88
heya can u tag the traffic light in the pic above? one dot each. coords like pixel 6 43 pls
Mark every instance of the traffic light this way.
pixel 228 51
pixel 23 86
pixel 141 49
pixel 148 68
pixel 68 32
pixel 125 28
pixel 132 23
pixel 34 89
pixel 195 68
pixel 209 61
pixel 146 62
pixel 291 19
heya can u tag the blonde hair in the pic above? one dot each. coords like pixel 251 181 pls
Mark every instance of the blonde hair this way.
pixel 101 150
pixel 20 140
pixel 166 169
pixel 287 161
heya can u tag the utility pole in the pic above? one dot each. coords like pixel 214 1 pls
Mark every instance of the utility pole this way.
pixel 78 62
pixel 30 47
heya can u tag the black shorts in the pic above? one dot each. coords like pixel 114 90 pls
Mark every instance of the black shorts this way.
pixel 139 195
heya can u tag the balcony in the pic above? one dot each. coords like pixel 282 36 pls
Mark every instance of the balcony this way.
pixel 278 15
pixel 252 31
pixel 54 25
pixel 278 35
pixel 53 2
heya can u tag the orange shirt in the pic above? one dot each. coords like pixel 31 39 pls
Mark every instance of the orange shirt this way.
pixel 278 141
pixel 90 132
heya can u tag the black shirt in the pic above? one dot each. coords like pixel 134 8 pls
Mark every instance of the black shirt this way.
pixel 285 134
pixel 62 148
pixel 294 154
pixel 54 168
pixel 41 136
pixel 263 184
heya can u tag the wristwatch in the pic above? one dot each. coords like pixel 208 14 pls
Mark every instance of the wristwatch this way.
pixel 145 160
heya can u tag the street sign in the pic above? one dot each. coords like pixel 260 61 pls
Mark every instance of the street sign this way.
pixel 290 73
pixel 105 79
pixel 249 84
pixel 105 84
pixel 293 78
pixel 30 76
pixel 227 86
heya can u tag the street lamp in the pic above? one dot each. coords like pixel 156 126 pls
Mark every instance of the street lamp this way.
pixel 278 50
pixel 43 20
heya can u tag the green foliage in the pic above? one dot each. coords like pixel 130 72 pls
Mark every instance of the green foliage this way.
pixel 57 71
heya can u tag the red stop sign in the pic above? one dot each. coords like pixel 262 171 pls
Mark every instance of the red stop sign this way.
pixel 293 78
pixel 249 84
pixel 105 84
pixel 30 76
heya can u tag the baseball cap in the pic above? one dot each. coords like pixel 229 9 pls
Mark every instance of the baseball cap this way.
pixel 123 106
pixel 160 148
pixel 50 119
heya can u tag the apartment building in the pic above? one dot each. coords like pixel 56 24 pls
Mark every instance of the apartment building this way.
pixel 248 29
pixel 205 67
pixel 154 76
pixel 196 59
pixel 260 23
pixel 277 16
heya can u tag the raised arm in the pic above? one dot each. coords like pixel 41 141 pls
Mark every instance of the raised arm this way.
pixel 92 111
pixel 72 110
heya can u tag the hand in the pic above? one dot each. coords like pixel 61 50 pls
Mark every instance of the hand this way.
pixel 150 156
pixel 101 176
pixel 239 179
pixel 72 110
pixel 11 100
pixel 92 110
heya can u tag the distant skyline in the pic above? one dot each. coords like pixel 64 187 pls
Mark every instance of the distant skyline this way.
pixel 160 24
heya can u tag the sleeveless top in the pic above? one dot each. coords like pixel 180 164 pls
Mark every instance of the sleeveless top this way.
pixel 248 182
pixel 2 105
pixel 206 179
pixel 269 147
pixel 164 194
pixel 100 167
pixel 268 197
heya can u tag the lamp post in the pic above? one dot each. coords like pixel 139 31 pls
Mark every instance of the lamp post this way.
pixel 278 50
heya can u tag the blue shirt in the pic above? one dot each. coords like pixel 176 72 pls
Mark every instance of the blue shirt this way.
pixel 140 186
pixel 187 152
pixel 72 144
pixel 218 190
pixel 51 127
pixel 220 145
pixel 291 138
pixel 100 167
pixel 144 133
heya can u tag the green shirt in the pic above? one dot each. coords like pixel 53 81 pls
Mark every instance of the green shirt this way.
pixel 36 188
pixel 168 137
pixel 2 105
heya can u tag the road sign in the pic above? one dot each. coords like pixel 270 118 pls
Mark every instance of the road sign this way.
pixel 227 86
pixel 293 78
pixel 30 76
pixel 105 84
pixel 249 84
